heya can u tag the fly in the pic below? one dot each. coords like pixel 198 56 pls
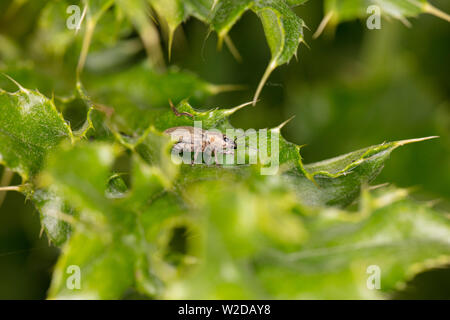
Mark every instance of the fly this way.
pixel 196 140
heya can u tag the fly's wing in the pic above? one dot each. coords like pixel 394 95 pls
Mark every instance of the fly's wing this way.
pixel 181 128
pixel 185 134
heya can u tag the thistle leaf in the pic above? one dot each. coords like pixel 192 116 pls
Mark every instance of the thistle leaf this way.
pixel 30 127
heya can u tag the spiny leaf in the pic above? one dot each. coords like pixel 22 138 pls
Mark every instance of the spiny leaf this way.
pixel 337 181
pixel 66 32
pixel 238 220
pixel 400 238
pixel 30 76
pixel 56 215
pixel 334 181
pixel 109 231
pixel 201 9
pixel 139 94
pixel 154 148
pixel 343 10
pixel 336 252
pixel 137 13
pixel 85 186
pixel 96 126
pixel 30 127
pixel 226 13
pixel 106 271
pixel 264 214
pixel 201 231
pixel 282 27
pixel 173 12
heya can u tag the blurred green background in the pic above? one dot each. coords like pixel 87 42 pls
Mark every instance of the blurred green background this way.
pixel 353 88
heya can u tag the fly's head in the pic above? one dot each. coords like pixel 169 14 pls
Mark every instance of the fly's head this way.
pixel 229 145
pixel 220 142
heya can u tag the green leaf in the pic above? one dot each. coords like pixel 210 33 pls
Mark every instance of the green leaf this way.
pixel 54 37
pixel 226 13
pixel 201 9
pixel 173 12
pixel 96 126
pixel 222 232
pixel 85 186
pixel 56 215
pixel 139 94
pixel 117 187
pixel 98 168
pixel 52 33
pixel 237 219
pixel 95 10
pixel 282 27
pixel 104 264
pixel 398 236
pixel 337 181
pixel 331 259
pixel 154 148
pixel 136 11
pixel 26 74
pixel 30 127
pixel 112 227
pixel 294 3
pixel 344 10
pixel 177 11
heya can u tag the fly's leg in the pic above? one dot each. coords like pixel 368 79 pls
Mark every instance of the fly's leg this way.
pixel 197 152
pixel 225 152
pixel 207 155
pixel 184 147
pixel 219 152
pixel 216 157
pixel 178 147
